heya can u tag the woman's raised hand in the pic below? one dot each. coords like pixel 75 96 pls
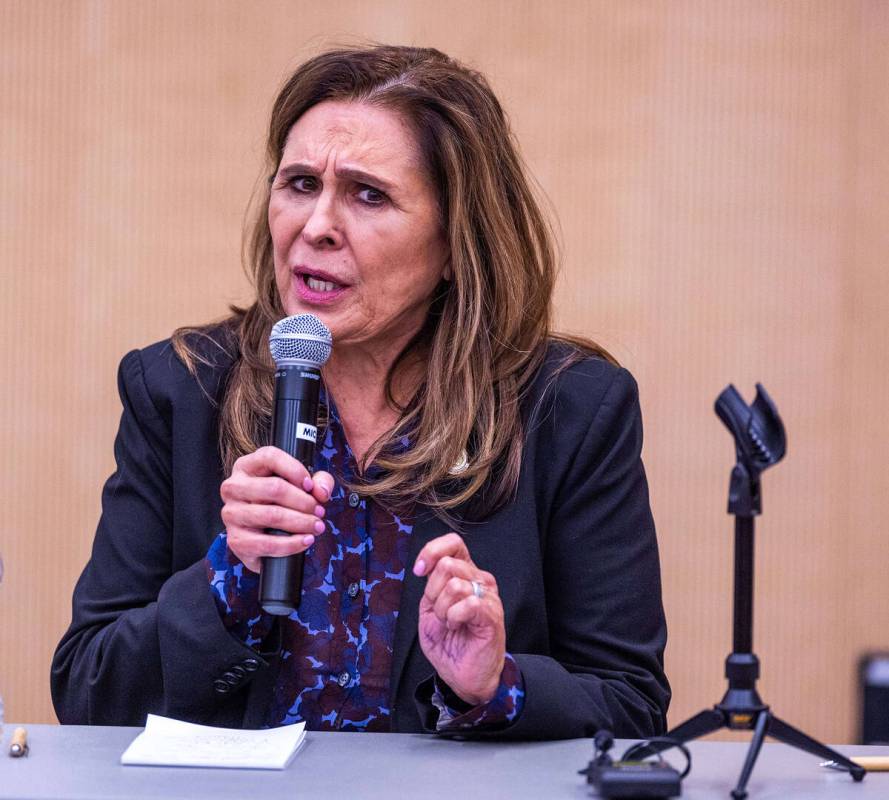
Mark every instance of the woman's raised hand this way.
pixel 270 489
pixel 461 625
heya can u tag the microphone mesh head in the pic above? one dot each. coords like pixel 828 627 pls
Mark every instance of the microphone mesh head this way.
pixel 303 338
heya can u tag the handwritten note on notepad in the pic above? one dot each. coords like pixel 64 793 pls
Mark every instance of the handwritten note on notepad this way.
pixel 171 743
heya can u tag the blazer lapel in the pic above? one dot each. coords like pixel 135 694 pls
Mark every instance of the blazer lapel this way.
pixel 426 528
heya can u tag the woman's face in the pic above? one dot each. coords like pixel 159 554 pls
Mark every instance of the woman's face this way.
pixel 355 225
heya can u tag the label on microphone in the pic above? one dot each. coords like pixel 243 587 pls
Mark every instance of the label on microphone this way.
pixel 307 432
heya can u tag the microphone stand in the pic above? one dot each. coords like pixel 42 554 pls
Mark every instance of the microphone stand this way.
pixel 760 443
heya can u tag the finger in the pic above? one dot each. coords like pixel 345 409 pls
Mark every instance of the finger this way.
pixel 270 460
pixel 473 610
pixel 322 486
pixel 468 611
pixel 251 546
pixel 259 517
pixel 271 490
pixel 446 569
pixel 451 544
pixel 453 591
pixel 449 568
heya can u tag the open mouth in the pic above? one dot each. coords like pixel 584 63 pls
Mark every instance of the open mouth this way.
pixel 317 288
pixel 318 285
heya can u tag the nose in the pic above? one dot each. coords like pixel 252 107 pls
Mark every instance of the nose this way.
pixel 322 228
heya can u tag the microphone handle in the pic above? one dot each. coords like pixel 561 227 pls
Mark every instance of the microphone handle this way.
pixel 294 430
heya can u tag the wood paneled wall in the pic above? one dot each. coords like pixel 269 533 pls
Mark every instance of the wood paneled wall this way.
pixel 719 169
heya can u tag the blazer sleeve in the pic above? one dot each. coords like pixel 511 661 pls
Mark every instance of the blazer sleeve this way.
pixel 605 617
pixel 145 635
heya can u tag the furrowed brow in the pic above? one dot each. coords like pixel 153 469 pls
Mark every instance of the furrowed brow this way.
pixel 348 173
pixel 292 170
pixel 360 176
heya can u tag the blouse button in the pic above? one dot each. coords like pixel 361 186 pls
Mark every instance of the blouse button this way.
pixel 354 499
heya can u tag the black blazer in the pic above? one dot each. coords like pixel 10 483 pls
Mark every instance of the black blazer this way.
pixel 574 555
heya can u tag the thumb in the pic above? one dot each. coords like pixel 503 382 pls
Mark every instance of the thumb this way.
pixel 323 486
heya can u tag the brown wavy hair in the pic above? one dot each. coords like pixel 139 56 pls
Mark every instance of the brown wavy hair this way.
pixel 488 328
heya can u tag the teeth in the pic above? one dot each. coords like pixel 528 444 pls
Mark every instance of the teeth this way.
pixel 317 285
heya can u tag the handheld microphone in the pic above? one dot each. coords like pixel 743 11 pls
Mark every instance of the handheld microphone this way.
pixel 300 346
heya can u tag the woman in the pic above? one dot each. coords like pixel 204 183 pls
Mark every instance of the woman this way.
pixel 480 555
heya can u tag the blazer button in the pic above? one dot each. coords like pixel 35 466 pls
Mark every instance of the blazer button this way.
pixel 230 678
pixel 353 590
pixel 250 664
pixel 354 499
pixel 344 679
pixel 238 671
pixel 221 686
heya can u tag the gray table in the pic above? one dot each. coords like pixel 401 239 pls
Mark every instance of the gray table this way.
pixel 76 762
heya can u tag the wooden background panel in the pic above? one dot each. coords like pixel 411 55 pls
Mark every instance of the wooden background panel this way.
pixel 862 385
pixel 746 178
pixel 719 172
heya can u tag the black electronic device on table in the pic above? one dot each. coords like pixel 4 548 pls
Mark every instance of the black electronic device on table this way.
pixel 632 776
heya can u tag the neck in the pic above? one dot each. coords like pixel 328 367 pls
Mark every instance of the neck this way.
pixel 356 380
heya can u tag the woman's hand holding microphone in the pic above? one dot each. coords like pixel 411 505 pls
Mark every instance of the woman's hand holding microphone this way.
pixel 270 489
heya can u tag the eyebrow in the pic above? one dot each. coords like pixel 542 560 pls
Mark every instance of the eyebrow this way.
pixel 351 173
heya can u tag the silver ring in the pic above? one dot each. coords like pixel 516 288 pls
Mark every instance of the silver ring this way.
pixel 477 589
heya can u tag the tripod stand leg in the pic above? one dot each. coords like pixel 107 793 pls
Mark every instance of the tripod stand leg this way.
pixel 759 734
pixel 780 730
pixel 697 726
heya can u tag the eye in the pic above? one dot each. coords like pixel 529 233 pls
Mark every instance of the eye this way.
pixel 371 196
pixel 303 184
